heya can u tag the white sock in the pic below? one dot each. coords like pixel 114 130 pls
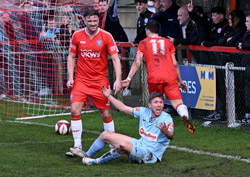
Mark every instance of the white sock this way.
pixel 109 127
pixel 76 127
pixel 182 110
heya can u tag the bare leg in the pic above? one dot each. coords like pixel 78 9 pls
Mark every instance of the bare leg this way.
pixel 117 140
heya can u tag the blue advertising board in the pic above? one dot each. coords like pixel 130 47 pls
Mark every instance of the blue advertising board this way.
pixel 201 87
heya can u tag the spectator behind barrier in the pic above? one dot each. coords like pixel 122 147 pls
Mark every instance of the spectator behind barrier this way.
pixel 31 22
pixel 217 29
pixel 49 37
pixel 103 7
pixel 113 25
pixel 157 5
pixel 168 19
pixel 9 70
pixel 199 11
pixel 244 44
pixel 189 32
pixel 65 31
pixel 145 15
pixel 236 21
pixel 237 28
pixel 96 5
pixel 30 31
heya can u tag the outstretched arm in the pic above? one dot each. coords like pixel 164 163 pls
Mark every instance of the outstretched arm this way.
pixel 134 68
pixel 114 8
pixel 118 104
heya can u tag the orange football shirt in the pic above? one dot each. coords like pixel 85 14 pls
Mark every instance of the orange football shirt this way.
pixel 92 54
pixel 157 52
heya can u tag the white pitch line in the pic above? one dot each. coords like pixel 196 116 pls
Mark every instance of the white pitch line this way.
pixel 210 154
pixel 238 158
pixel 43 116
pixel 47 125
pixel 40 142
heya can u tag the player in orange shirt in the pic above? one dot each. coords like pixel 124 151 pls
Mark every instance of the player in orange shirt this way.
pixel 162 68
pixel 92 46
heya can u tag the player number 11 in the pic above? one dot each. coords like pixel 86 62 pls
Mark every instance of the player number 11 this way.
pixel 155 46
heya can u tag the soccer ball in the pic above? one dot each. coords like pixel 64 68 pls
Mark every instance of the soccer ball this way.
pixel 62 127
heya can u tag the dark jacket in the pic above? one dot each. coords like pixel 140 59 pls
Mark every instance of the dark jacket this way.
pixel 215 31
pixel 168 20
pixel 234 34
pixel 180 39
pixel 198 34
pixel 141 23
pixel 113 26
pixel 195 34
pixel 245 40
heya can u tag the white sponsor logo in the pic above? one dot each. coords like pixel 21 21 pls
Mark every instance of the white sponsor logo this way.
pixel 108 104
pixel 82 42
pixel 90 54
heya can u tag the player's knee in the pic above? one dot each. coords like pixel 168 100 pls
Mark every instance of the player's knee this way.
pixel 105 113
pixel 105 135
pixel 75 110
pixel 124 144
pixel 125 147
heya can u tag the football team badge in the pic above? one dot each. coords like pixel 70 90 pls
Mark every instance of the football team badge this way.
pixel 99 42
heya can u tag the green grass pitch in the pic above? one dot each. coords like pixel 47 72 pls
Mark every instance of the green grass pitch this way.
pixel 34 149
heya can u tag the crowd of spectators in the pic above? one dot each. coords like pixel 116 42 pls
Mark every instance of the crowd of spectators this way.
pixel 35 38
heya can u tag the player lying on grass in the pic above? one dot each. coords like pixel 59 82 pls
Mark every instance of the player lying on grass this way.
pixel 156 130
pixel 162 69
